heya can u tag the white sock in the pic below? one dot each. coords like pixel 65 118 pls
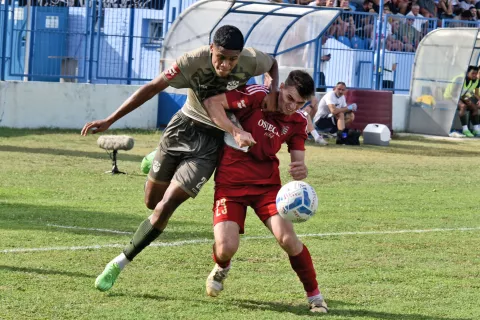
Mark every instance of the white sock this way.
pixel 312 298
pixel 121 260
pixel 476 127
pixel 465 127
pixel 315 134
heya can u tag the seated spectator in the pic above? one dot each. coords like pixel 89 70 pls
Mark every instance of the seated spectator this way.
pixel 393 42
pixel 309 110
pixel 409 35
pixel 469 99
pixel 401 6
pixel 333 114
pixel 473 11
pixel 466 4
pixel 465 16
pixel 318 3
pixel 428 8
pixel 418 24
pixel 445 9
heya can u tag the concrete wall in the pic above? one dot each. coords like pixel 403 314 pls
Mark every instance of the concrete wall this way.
pixel 71 105
pixel 68 105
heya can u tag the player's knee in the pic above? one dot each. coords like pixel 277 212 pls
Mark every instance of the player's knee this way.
pixel 289 242
pixel 225 248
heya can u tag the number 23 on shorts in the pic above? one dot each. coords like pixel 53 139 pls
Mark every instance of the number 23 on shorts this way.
pixel 220 207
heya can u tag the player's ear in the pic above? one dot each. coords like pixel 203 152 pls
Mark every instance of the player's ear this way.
pixel 282 85
pixel 211 48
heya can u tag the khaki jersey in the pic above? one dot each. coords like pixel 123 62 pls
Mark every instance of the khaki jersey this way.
pixel 194 71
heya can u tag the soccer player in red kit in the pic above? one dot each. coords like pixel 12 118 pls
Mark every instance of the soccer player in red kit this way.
pixel 252 178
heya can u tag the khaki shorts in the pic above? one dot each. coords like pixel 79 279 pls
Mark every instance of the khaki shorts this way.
pixel 187 154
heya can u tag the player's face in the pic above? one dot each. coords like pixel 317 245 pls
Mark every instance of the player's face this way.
pixel 289 101
pixel 224 60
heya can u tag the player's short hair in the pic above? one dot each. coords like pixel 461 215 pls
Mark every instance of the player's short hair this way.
pixel 303 82
pixel 341 83
pixel 229 37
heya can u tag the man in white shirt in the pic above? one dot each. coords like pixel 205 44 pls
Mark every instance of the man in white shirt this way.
pixel 333 114
pixel 418 24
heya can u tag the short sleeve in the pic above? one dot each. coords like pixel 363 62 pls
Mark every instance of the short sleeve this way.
pixel 297 140
pixel 264 62
pixel 175 75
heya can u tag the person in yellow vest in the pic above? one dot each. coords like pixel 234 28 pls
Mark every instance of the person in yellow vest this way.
pixel 469 99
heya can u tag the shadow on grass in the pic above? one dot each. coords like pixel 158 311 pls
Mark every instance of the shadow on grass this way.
pixel 30 217
pixel 296 309
pixel 45 271
pixel 122 156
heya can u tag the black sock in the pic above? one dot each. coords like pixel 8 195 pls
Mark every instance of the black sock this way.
pixel 144 235
pixel 475 119
pixel 463 119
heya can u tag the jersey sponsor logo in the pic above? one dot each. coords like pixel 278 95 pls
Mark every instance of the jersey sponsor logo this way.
pixel 270 129
pixel 232 85
pixel 172 72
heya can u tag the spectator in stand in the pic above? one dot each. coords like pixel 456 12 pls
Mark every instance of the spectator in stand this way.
pixel 401 6
pixel 465 16
pixel 466 4
pixel 409 35
pixel 445 9
pixel 318 3
pixel 428 8
pixel 393 42
pixel 473 11
pixel 418 24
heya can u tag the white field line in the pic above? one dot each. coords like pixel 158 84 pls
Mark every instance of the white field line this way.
pixel 89 229
pixel 202 241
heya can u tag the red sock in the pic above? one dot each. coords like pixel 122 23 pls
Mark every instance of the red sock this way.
pixel 302 264
pixel 222 264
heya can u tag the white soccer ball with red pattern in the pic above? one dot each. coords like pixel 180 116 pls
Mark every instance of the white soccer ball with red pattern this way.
pixel 297 201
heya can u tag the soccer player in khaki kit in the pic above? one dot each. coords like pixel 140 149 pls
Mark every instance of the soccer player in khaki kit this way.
pixel 253 178
pixel 187 152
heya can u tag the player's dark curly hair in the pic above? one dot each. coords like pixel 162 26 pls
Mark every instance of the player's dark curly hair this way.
pixel 303 82
pixel 229 37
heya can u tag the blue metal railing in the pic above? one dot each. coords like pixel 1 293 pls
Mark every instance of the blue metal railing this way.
pixel 113 41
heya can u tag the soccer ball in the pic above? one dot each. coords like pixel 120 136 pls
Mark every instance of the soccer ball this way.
pixel 297 201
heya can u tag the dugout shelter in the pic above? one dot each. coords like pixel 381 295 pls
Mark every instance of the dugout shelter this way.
pixel 292 34
pixel 442 55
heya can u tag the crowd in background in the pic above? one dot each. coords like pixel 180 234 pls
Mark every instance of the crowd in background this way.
pixel 405 22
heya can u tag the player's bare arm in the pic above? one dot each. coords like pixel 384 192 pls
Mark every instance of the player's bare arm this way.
pixel 216 107
pixel 138 98
pixel 298 169
pixel 336 111
pixel 271 101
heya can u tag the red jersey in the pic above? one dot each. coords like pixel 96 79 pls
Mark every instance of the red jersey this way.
pixel 238 170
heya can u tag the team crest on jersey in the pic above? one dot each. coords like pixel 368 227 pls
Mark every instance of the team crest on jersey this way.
pixel 285 130
pixel 232 85
pixel 172 72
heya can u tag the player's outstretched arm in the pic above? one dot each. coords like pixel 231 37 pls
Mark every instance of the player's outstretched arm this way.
pixel 139 97
pixel 215 107
pixel 298 170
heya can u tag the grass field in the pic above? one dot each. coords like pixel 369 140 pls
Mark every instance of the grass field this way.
pixel 396 236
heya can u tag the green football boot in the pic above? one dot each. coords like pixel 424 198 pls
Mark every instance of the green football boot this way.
pixel 108 277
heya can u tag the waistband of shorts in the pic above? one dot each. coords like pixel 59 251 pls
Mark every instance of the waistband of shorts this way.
pixel 202 127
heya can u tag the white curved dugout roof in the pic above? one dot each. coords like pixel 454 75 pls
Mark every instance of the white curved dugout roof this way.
pixel 288 32
pixel 442 55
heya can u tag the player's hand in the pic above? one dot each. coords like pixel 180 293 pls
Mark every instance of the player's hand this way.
pixel 270 101
pixel 97 126
pixel 244 139
pixel 298 170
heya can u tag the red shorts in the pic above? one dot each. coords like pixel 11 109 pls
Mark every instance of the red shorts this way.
pixel 230 208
